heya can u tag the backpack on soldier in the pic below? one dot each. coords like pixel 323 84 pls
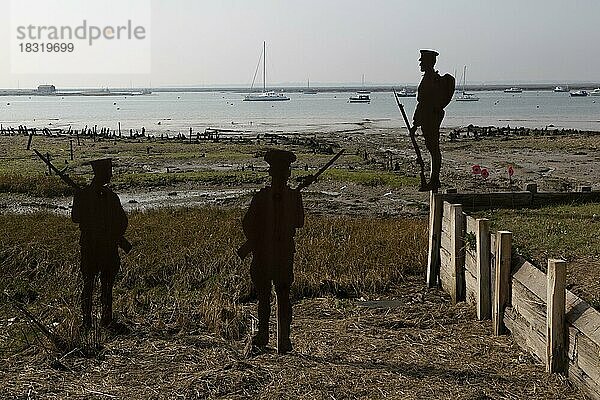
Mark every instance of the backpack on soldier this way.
pixel 444 88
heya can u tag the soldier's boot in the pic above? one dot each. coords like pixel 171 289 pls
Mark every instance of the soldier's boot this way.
pixel 261 338
pixel 284 319
pixel 86 302
pixel 436 165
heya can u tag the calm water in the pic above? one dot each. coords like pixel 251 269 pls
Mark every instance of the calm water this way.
pixel 174 112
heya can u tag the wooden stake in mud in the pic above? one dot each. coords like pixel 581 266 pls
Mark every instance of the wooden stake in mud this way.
pixel 30 139
pixel 556 349
pixel 49 168
pixel 119 129
pixel 71 145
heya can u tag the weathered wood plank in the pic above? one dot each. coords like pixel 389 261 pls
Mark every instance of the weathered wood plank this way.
pixel 588 356
pixel 502 290
pixel 470 259
pixel 528 338
pixel 457 250
pixel 556 348
pixel 483 273
pixel 435 231
pixel 529 306
pixel 478 201
pixel 583 317
pixel 446 241
pixel 589 386
pixel 471 224
pixel 471 288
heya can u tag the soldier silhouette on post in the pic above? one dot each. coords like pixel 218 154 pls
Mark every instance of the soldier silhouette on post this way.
pixel 270 224
pixel 434 94
pixel 102 222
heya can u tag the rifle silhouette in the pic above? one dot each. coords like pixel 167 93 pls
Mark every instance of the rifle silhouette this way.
pixel 413 139
pixel 121 242
pixel 246 248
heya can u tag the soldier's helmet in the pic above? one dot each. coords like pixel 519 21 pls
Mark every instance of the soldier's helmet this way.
pixel 279 159
pixel 102 167
pixel 428 55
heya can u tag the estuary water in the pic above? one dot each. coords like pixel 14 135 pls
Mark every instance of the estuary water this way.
pixel 171 113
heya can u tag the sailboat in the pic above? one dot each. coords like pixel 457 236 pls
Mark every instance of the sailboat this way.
pixel 265 95
pixel 308 90
pixel 466 96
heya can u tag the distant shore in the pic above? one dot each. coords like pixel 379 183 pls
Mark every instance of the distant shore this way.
pixel 324 89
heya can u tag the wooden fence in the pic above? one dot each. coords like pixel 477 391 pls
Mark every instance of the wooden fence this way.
pixel 478 266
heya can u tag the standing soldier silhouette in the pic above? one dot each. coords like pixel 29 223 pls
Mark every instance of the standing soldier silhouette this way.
pixel 102 222
pixel 434 94
pixel 270 224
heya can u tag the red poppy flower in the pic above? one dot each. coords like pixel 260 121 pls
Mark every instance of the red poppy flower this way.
pixel 484 173
pixel 476 169
pixel 511 170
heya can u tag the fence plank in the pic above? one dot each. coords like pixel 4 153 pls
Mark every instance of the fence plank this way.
pixel 555 316
pixel 484 300
pixel 502 289
pixel 457 228
pixel 435 232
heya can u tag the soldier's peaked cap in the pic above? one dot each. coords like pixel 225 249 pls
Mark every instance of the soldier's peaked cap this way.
pixel 102 165
pixel 280 158
pixel 431 54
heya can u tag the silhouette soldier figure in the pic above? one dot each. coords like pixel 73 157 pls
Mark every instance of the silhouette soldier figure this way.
pixel 434 94
pixel 270 224
pixel 102 222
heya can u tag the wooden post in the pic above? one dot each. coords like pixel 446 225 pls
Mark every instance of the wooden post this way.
pixel 49 169
pixel 436 209
pixel 502 287
pixel 457 232
pixel 484 279
pixel 71 145
pixel 531 187
pixel 119 129
pixel 556 348
pixel 30 139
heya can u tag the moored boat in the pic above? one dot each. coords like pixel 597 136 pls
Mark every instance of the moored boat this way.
pixel 595 92
pixel 513 90
pixel 561 89
pixel 579 93
pixel 406 93
pixel 360 98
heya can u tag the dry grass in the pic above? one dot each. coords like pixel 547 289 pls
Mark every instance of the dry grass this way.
pixel 422 348
pixel 184 272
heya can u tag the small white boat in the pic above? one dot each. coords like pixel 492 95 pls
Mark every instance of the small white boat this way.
pixel 579 93
pixel 561 89
pixel 406 93
pixel 595 92
pixel 466 97
pixel 266 96
pixel 513 90
pixel 360 98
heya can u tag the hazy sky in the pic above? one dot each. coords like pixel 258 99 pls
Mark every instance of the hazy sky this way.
pixel 218 42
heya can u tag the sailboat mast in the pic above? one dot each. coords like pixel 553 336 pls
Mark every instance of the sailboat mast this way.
pixel 464 79
pixel 264 66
